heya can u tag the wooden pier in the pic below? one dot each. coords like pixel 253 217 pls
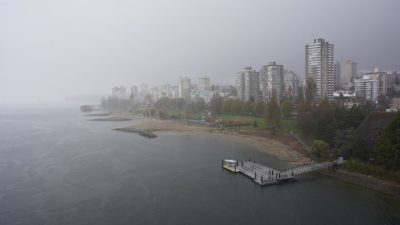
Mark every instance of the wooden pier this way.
pixel 264 175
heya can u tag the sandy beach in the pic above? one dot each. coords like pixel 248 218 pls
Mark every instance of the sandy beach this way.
pixel 282 148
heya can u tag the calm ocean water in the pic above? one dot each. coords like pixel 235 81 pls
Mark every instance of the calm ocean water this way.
pixel 58 168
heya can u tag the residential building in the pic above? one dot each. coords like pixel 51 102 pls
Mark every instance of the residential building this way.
pixel 204 84
pixel 319 57
pixel 349 74
pixel 184 89
pixel 175 91
pixel 275 81
pixel 134 96
pixel 367 88
pixel 119 92
pixel 155 93
pixel 291 84
pixel 381 77
pixel 166 91
pixel 393 84
pixel 263 82
pixel 144 90
pixel 206 95
pixel 337 71
pixel 247 83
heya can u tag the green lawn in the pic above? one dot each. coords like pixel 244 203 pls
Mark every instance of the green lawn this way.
pixel 288 125
pixel 285 125
pixel 261 123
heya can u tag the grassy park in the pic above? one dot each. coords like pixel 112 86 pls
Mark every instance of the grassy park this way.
pixel 285 125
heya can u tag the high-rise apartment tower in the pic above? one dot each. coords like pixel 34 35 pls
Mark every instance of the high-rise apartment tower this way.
pixel 319 65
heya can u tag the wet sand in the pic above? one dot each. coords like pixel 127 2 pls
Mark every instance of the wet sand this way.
pixel 280 148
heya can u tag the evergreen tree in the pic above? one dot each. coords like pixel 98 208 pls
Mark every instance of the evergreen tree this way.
pixel 286 108
pixel 273 113
pixel 387 149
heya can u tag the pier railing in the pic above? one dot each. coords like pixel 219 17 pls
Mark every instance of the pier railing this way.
pixel 264 175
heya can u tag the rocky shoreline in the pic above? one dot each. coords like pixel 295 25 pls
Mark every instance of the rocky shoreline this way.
pixel 143 133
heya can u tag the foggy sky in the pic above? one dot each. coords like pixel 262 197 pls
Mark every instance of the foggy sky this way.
pixel 50 49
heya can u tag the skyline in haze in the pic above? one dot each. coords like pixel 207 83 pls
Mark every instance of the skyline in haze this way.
pixel 53 49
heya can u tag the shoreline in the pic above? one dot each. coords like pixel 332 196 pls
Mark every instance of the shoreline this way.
pixel 284 149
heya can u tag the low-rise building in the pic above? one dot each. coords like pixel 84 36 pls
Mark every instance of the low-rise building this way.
pixel 367 88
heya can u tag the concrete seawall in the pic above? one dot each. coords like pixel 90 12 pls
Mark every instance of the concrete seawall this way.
pixel 365 181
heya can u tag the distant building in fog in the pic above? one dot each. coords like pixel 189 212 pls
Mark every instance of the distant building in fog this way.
pixel 144 90
pixel 119 92
pixel 155 93
pixel 204 84
pixel 166 91
pixel 184 89
pixel 175 91
pixel 319 57
pixel 134 96
pixel 349 74
pixel 247 84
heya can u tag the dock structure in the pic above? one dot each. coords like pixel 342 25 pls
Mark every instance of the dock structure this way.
pixel 264 175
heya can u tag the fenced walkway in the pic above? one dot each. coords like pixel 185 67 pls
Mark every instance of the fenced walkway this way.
pixel 265 175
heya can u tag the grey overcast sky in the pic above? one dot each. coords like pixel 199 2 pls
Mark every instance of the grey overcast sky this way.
pixel 50 49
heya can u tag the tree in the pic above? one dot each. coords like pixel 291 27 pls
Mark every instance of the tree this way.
pixel 199 105
pixel 246 107
pixel 162 114
pixel 189 112
pixel 152 112
pixel 148 99
pixel 273 113
pixel 227 106
pixel 236 106
pixel 216 104
pixel 252 99
pixel 384 102
pixel 320 150
pixel 311 90
pixel 348 144
pixel 287 108
pixel 300 94
pixel 162 103
pixel 259 108
pixel 179 103
pixel 255 123
pixel 387 149
pixel 323 115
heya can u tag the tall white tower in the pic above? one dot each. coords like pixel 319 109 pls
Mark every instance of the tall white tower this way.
pixel 247 83
pixel 319 57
